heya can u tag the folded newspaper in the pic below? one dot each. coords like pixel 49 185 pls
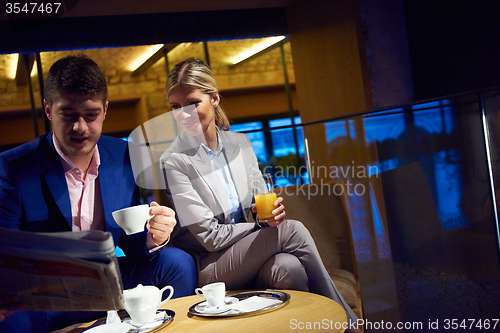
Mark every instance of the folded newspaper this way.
pixel 70 271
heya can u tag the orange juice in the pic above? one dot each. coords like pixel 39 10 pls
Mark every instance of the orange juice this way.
pixel 265 206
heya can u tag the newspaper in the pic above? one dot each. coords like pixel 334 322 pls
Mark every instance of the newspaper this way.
pixel 61 271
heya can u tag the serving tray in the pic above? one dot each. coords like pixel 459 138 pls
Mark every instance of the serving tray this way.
pixel 270 294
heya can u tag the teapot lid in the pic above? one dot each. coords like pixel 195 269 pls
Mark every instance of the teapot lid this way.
pixel 140 290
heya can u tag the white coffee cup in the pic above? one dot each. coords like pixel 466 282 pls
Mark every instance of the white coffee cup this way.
pixel 142 302
pixel 132 219
pixel 214 293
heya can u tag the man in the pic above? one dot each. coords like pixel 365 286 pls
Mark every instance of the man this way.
pixel 73 179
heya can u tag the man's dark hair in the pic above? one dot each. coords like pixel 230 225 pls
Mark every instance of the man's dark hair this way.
pixel 75 75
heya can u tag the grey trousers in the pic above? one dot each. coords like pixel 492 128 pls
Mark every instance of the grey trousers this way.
pixel 282 257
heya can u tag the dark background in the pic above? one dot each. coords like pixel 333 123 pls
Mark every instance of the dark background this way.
pixel 454 45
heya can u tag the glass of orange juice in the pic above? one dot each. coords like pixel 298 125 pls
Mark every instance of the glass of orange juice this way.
pixel 264 199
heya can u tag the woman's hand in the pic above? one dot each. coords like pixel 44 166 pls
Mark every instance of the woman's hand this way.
pixel 279 212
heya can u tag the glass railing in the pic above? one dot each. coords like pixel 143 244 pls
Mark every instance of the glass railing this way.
pixel 420 182
pixel 420 186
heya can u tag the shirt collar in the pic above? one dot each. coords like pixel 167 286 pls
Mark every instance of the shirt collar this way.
pixel 220 147
pixel 68 165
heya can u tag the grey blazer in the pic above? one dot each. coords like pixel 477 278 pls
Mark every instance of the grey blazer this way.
pixel 198 196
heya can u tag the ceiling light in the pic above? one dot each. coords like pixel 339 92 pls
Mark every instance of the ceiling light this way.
pixel 177 51
pixel 34 70
pixel 147 52
pixel 11 65
pixel 256 48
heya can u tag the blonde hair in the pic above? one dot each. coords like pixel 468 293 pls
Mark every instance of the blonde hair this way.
pixel 196 73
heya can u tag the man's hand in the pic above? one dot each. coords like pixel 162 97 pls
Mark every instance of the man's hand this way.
pixel 8 304
pixel 162 223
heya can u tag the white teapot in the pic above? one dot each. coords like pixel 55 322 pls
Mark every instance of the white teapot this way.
pixel 142 302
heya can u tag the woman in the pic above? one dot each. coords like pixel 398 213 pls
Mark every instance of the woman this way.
pixel 210 173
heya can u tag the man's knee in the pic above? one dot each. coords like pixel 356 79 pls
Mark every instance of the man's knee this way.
pixel 23 322
pixel 18 322
pixel 176 260
pixel 178 268
pixel 175 256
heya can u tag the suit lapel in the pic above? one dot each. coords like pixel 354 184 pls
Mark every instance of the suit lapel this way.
pixel 201 161
pixel 105 177
pixel 110 191
pixel 56 181
pixel 237 168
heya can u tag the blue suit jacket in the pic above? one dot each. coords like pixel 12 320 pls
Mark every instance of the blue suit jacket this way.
pixel 34 194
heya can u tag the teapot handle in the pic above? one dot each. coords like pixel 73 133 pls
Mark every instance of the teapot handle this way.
pixel 169 296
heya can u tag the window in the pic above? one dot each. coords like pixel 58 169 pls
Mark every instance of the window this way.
pixel 283 140
pixel 257 138
pixel 277 149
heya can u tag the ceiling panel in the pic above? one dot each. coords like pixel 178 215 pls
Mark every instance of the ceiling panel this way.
pixel 143 29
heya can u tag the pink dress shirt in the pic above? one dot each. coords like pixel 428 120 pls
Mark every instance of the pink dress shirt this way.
pixel 85 197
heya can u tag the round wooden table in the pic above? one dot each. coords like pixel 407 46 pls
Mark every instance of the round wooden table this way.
pixel 304 312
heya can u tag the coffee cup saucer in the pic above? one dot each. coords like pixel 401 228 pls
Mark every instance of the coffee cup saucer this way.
pixel 163 318
pixel 229 303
